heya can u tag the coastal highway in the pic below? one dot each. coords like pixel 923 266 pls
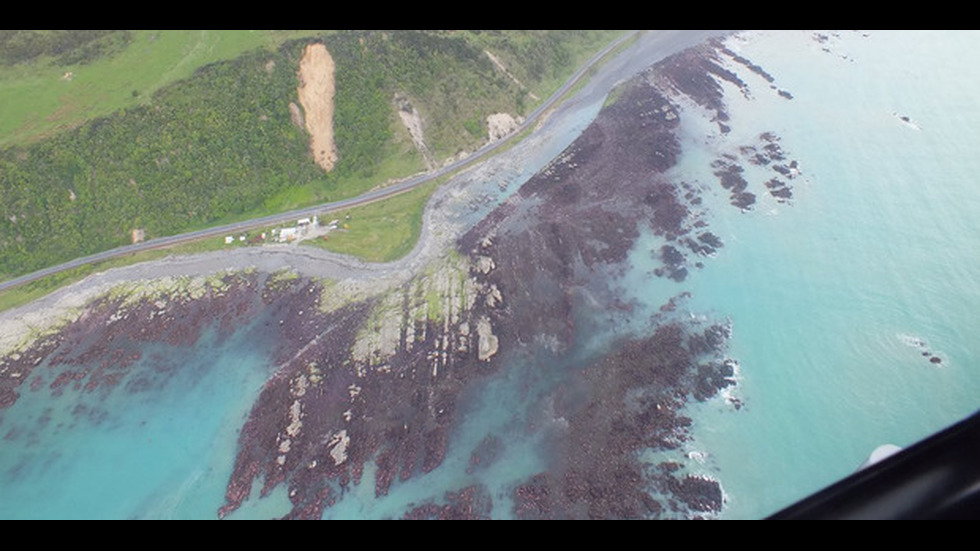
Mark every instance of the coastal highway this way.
pixel 371 196
pixel 665 42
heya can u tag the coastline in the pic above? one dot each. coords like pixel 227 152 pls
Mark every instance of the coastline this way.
pixel 17 325
pixel 506 285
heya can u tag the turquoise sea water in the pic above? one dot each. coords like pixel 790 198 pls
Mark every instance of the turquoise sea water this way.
pixel 164 453
pixel 879 249
pixel 881 246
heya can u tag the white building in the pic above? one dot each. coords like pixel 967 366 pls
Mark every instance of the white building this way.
pixel 288 234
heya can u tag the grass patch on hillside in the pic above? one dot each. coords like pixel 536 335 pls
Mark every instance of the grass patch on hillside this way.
pixel 37 100
pixel 400 161
pixel 542 63
pixel 382 231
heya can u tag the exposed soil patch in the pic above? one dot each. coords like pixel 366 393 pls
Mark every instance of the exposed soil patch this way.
pixel 501 125
pixel 315 91
pixel 296 116
pixel 413 123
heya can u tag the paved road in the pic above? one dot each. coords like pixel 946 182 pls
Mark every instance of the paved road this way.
pixel 395 189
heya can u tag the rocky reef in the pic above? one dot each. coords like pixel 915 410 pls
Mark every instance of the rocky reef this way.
pixel 100 349
pixel 470 503
pixel 559 247
pixel 380 382
pixel 624 403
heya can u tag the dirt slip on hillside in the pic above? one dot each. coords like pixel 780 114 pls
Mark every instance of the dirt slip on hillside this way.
pixel 316 89
pixel 501 125
pixel 413 123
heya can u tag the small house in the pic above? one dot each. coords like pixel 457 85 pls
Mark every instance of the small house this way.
pixel 288 234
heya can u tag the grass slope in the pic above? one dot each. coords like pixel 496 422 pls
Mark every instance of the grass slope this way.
pixel 37 102
pixel 382 231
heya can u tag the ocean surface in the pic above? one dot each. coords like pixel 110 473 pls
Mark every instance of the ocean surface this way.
pixel 833 298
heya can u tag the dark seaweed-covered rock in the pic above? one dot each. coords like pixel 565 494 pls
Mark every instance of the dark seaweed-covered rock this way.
pixel 485 454
pixel 679 274
pixel 8 397
pixel 730 176
pixel 775 153
pixel 743 200
pixel 574 221
pixel 697 493
pixel 711 378
pixel 711 240
pixel 693 73
pixel 99 350
pixel 673 261
pixel 742 60
pixel 781 193
pixel 696 247
pixel 627 401
pixel 533 500
pixel 470 503
pixel 671 256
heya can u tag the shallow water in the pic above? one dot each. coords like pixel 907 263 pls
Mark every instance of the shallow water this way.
pixel 162 453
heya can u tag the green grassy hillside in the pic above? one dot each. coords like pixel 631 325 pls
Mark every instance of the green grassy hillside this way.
pixel 111 70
